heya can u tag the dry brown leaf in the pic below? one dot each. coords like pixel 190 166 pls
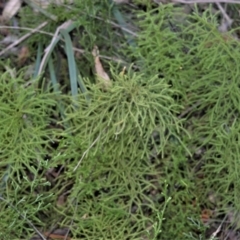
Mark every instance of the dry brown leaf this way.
pixel 11 8
pixel 122 73
pixel 206 215
pixel 61 200
pixel 102 76
pixel 85 216
pixel 23 55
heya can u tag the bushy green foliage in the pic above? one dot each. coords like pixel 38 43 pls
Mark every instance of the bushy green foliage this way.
pixel 128 114
pixel 202 64
pixel 109 185
pixel 25 135
pixel 126 159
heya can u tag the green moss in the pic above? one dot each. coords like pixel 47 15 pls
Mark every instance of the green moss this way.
pixel 139 159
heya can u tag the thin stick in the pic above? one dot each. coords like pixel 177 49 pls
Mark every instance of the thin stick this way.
pixel 23 217
pixel 228 21
pixel 23 38
pixel 185 112
pixel 26 29
pixel 214 234
pixel 116 25
pixel 84 154
pixel 74 48
pixel 51 46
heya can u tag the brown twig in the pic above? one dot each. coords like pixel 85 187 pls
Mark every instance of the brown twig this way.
pixel 23 38
pixel 226 21
pixel 24 217
pixel 189 109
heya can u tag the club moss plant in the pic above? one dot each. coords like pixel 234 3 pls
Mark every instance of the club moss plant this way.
pixel 139 160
